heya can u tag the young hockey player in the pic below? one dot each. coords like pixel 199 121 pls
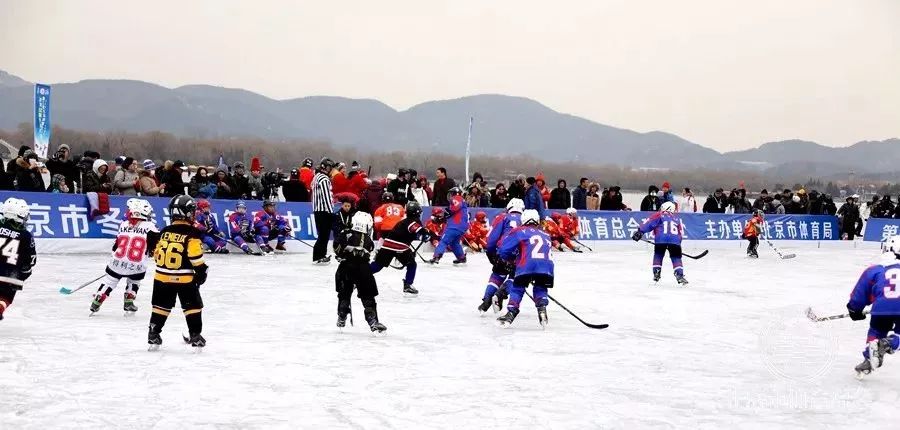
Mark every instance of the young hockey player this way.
pixel 476 236
pixel 557 232
pixel 436 226
pixel 397 244
pixel 457 216
pixel 666 228
pixel 136 239
pixel 497 289
pixel 210 234
pixel 752 231
pixel 269 225
pixel 344 216
pixel 570 228
pixel 529 246
pixel 879 286
pixel 180 271
pixel 18 256
pixel 353 247
pixel 387 215
pixel 239 225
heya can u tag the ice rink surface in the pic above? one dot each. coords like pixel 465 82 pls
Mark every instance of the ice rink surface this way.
pixel 732 350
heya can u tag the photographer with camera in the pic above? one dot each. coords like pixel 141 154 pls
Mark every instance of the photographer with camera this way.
pixel 61 163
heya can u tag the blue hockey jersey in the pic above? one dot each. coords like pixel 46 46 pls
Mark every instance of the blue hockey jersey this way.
pixel 529 247
pixel 878 286
pixel 503 223
pixel 666 228
pixel 459 215
pixel 206 223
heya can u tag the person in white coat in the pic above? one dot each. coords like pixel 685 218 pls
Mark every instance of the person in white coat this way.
pixel 419 194
pixel 687 202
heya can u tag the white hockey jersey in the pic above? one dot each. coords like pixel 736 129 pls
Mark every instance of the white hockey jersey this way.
pixel 129 257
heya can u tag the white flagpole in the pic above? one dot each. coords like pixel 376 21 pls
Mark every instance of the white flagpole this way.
pixel 468 149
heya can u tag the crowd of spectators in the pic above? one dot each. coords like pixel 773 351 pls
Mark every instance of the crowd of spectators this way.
pixel 89 172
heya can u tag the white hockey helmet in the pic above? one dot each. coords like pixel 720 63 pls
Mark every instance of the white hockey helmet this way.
pixel 16 210
pixel 361 222
pixel 892 245
pixel 668 207
pixel 530 217
pixel 139 209
pixel 572 211
pixel 515 205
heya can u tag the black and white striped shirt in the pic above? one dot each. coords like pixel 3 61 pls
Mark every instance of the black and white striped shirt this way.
pixel 322 199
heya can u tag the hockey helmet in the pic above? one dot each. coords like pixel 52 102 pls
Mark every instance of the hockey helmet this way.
pixel 16 211
pixel 572 211
pixel 240 207
pixel 203 205
pixel 413 209
pixel 892 245
pixel 455 191
pixel 555 216
pixel 437 213
pixel 481 215
pixel 515 205
pixel 139 209
pixel 361 222
pixel 182 207
pixel 387 196
pixel 308 162
pixel 530 217
pixel 668 207
pixel 326 164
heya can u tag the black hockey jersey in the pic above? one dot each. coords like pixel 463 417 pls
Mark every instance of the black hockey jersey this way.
pixel 353 246
pixel 178 254
pixel 17 256
pixel 406 231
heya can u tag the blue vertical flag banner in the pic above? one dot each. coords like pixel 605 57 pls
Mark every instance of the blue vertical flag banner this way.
pixel 66 216
pixel 41 119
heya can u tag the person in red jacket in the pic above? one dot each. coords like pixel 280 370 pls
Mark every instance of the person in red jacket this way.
pixel 541 185
pixel 436 225
pixel 556 231
pixel 306 174
pixel 357 181
pixel 476 236
pixel 752 231
pixel 570 228
pixel 339 182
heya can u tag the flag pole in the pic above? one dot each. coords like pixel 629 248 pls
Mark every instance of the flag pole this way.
pixel 468 149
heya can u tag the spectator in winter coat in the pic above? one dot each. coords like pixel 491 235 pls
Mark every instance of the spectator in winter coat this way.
pixel 897 208
pixel 651 202
pixel 612 200
pixel 688 203
pixel 475 198
pixel 849 218
pixel 372 198
pixel 794 206
pixel 579 195
pixel 146 185
pixel 224 186
pixel 61 164
pixel 560 197
pixel 592 199
pixel 307 173
pixel 339 182
pixel 533 198
pixel 241 187
pixel 173 180
pixel 716 203
pixel 761 203
pixel 738 201
pixel 58 184
pixel 418 194
pixel 399 187
pixel 11 168
pixel 97 181
pixel 28 173
pixel 442 186
pixel 776 207
pixel 357 181
pixel 294 190
pixel 542 187
pixel 828 206
pixel 423 184
pixel 884 208
pixel 667 195
pixel 804 201
pixel 125 178
pixel 199 181
pixel 499 198
pixel 516 189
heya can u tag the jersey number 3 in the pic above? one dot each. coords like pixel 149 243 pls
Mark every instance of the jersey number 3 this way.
pixel 892 290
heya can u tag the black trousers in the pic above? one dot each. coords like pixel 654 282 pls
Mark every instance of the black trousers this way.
pixel 354 275
pixel 324 223
pixel 163 300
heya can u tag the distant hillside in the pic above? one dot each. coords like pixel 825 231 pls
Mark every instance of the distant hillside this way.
pixel 504 125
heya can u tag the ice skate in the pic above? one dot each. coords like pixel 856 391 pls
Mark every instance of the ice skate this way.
pixel 129 306
pixel 542 316
pixel 266 249
pixel 434 260
pixel 577 249
pixel 154 340
pixel 280 247
pixel 459 261
pixel 485 304
pixel 98 301
pixel 323 261
pixel 221 250
pixel 657 273
pixel 877 349
pixel 195 340
pixel 498 299
pixel 408 289
pixel 342 320
pixel 863 369
pixel 681 279
pixel 507 319
pixel 372 318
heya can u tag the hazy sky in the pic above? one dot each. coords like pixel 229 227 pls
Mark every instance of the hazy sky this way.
pixel 725 74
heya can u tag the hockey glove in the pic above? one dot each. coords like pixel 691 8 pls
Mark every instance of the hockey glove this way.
pixel 856 315
pixel 200 275
pixel 637 236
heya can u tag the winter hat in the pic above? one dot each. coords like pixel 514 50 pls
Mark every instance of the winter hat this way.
pixel 119 160
pixel 796 199
pixel 764 192
pixel 127 162
pixel 666 185
pixel 23 149
pixel 149 164
pixel 653 189
pixel 97 163
pixel 354 166
pixel 64 146
pixel 540 177
pixel 29 154
pixel 255 165
pixel 179 165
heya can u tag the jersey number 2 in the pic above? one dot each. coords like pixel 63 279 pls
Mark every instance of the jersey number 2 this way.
pixel 892 290
pixel 537 243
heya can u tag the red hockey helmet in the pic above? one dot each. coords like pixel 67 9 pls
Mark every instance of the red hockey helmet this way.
pixel 437 212
pixel 481 216
pixel 203 204
pixel 555 216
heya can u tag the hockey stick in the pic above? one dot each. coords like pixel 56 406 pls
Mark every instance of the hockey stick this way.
pixel 231 242
pixel 299 240
pixel 596 326
pixel 68 291
pixel 813 317
pixel 415 250
pixel 588 247
pixel 777 251
pixel 695 257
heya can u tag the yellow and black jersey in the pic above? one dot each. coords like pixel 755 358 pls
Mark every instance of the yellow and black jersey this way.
pixel 179 254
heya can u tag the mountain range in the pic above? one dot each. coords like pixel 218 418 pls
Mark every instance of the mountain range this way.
pixel 503 125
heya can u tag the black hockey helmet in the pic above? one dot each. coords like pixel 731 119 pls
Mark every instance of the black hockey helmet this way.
pixel 269 202
pixel 308 162
pixel 182 207
pixel 413 209
pixel 455 191
pixel 326 164
pixel 387 196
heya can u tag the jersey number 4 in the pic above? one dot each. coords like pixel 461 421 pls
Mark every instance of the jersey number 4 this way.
pixel 892 290
pixel 132 248
pixel 10 250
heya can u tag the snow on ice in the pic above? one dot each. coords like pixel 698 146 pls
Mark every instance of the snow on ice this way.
pixel 732 350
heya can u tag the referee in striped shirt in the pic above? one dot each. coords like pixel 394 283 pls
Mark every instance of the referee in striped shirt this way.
pixel 323 205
